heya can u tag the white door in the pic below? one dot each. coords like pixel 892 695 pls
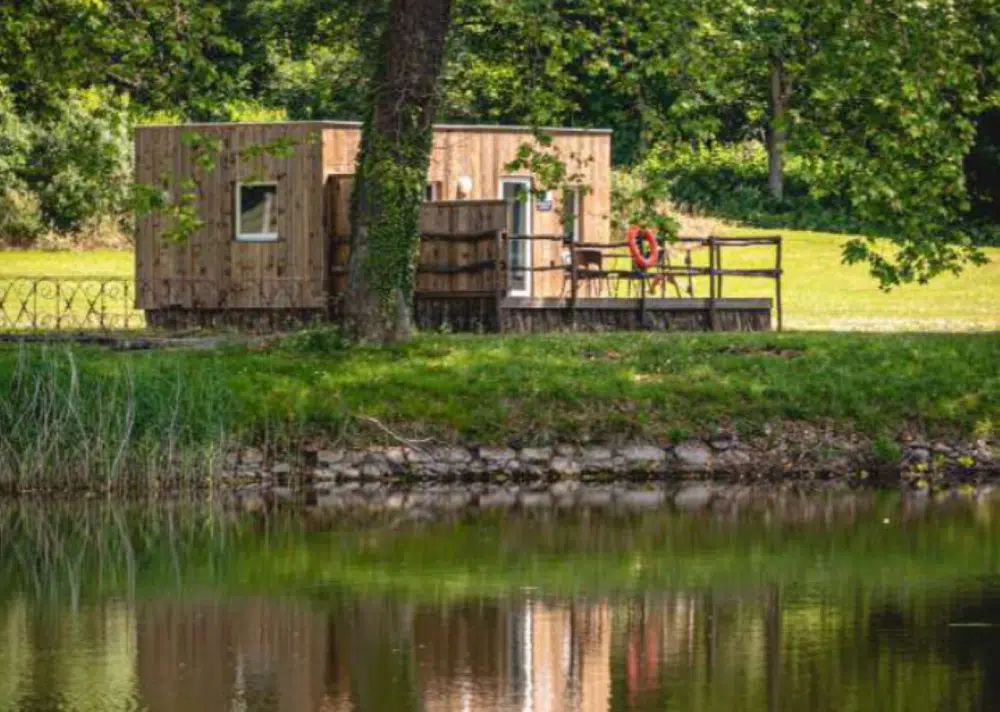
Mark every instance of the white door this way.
pixel 517 193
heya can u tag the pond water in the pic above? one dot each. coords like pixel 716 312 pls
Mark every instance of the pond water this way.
pixel 856 603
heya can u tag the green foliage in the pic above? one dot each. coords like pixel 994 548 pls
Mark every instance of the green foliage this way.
pixel 164 54
pixel 730 182
pixel 637 198
pixel 15 143
pixel 325 82
pixel 81 160
pixel 325 340
pixel 885 451
pixel 890 106
pixel 395 176
pixel 20 217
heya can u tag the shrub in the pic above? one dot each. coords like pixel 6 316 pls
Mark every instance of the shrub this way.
pixel 81 160
pixel 15 142
pixel 20 218
pixel 730 182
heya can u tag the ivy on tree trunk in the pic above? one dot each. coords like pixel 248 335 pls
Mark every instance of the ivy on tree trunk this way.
pixel 392 170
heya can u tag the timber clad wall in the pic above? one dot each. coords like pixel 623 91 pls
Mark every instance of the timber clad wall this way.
pixel 213 271
pixel 480 153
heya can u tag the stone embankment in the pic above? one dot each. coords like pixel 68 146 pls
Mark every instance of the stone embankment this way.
pixel 689 475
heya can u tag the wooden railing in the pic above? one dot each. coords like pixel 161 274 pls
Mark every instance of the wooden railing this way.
pixel 624 279
pixel 482 257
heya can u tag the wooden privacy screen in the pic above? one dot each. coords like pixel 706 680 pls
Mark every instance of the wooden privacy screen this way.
pixel 461 251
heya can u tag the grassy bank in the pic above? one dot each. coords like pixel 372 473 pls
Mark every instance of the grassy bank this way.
pixel 819 292
pixel 73 410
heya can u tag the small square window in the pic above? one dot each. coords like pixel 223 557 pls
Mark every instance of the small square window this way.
pixel 257 212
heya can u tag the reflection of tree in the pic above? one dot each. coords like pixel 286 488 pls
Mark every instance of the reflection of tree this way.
pixel 381 649
pixel 715 650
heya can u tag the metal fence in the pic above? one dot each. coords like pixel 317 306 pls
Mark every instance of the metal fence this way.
pixel 68 303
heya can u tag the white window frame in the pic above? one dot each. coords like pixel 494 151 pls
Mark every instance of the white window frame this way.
pixel 241 236
pixel 529 205
pixel 434 188
pixel 577 207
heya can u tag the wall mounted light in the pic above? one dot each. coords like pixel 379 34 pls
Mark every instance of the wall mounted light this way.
pixel 464 188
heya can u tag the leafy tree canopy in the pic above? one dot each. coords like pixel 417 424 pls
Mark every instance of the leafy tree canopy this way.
pixel 890 107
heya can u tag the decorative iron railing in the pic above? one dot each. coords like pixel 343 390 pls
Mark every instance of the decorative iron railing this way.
pixel 68 303
pixel 118 303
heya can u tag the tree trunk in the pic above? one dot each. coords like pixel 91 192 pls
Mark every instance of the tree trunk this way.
pixel 392 170
pixel 777 133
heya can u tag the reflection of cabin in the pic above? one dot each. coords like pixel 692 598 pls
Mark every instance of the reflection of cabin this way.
pixel 275 221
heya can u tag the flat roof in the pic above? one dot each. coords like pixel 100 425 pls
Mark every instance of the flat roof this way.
pixel 494 128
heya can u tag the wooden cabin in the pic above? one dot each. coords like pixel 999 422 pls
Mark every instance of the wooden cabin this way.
pixel 273 245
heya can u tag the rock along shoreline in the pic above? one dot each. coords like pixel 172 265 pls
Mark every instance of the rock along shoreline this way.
pixel 687 475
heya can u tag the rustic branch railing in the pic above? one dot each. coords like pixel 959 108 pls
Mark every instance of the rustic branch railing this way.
pixel 631 281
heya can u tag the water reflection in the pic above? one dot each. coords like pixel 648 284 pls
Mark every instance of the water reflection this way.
pixel 774 648
pixel 799 607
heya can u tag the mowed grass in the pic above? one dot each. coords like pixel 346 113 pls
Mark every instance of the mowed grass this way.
pixel 819 292
pixel 73 295
pixel 96 263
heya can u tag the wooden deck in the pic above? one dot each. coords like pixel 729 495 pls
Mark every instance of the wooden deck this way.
pixel 482 313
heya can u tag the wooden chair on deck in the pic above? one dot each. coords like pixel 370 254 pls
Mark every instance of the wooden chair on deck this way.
pixel 589 270
pixel 665 253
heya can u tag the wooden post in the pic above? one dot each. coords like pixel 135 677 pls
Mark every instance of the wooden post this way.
pixel 711 283
pixel 777 283
pixel 498 280
pixel 718 265
pixel 642 301
pixel 573 285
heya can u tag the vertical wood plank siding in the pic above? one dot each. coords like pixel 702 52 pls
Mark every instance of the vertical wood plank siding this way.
pixel 213 271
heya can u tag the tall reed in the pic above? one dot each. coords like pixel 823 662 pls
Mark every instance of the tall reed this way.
pixel 64 425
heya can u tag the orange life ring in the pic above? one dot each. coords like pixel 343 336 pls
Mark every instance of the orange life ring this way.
pixel 635 234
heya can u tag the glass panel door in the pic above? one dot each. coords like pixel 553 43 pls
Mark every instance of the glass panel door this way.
pixel 517 193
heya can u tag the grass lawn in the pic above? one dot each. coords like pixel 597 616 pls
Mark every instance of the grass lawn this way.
pixel 822 293
pixel 96 263
pixel 819 292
